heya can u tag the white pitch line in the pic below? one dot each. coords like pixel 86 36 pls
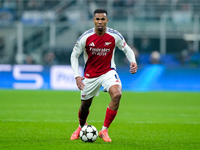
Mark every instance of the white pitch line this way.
pixel 67 121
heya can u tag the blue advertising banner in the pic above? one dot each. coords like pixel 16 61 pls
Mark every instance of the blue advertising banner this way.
pixel 37 77
pixel 148 78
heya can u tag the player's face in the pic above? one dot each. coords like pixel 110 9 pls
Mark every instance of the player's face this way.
pixel 100 21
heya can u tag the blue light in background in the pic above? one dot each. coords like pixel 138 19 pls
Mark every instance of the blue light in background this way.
pixel 161 78
pixel 148 76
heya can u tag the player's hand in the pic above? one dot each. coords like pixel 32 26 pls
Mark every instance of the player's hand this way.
pixel 133 68
pixel 80 83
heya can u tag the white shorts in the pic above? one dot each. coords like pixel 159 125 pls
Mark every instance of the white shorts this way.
pixel 93 85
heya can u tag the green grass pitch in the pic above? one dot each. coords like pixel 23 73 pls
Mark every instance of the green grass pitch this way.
pixel 45 120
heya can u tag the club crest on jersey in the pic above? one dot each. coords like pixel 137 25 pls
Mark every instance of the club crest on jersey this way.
pixel 107 43
pixel 83 95
pixel 92 44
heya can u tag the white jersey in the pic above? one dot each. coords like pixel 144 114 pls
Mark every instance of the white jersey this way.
pixel 99 52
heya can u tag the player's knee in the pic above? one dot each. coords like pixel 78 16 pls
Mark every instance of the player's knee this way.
pixel 115 101
pixel 117 96
pixel 115 92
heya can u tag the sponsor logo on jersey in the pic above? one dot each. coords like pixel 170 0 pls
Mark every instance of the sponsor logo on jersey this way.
pixel 92 44
pixel 107 43
pixel 99 51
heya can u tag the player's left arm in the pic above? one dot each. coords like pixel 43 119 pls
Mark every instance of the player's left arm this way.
pixel 133 68
pixel 121 44
pixel 131 57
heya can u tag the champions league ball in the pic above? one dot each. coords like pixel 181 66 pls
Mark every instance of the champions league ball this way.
pixel 88 133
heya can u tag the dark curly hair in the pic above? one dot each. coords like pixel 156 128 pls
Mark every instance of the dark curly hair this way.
pixel 100 11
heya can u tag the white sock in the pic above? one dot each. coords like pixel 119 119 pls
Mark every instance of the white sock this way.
pixel 103 128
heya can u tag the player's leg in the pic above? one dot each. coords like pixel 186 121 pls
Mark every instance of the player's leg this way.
pixel 111 112
pixel 82 115
pixel 90 90
pixel 113 86
pixel 84 111
pixel 115 94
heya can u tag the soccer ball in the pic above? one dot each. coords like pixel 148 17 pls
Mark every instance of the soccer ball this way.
pixel 88 133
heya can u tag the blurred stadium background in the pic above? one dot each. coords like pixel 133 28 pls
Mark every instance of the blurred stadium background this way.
pixel 37 37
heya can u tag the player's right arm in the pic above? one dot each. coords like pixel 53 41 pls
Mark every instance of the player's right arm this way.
pixel 77 50
pixel 79 82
